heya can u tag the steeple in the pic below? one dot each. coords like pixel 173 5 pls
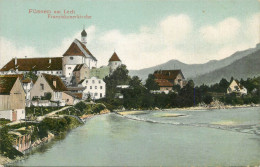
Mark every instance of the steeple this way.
pixel 84 36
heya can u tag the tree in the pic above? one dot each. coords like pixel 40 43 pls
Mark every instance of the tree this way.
pixel 31 75
pixel 223 85
pixel 151 84
pixel 207 99
pixel 118 77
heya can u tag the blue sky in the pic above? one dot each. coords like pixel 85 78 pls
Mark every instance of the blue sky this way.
pixel 143 32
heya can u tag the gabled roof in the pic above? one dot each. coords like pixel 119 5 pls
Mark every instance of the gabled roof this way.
pixel 114 57
pixel 34 64
pixel 60 87
pixel 238 84
pixel 75 95
pixel 78 67
pixel 167 74
pixel 79 49
pixel 163 83
pixel 6 84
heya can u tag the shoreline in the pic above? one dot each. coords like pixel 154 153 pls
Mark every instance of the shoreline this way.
pixel 192 108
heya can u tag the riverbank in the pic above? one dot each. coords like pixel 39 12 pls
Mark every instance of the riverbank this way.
pixel 51 127
pixel 208 107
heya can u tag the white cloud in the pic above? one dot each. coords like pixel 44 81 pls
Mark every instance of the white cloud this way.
pixel 223 32
pixel 172 38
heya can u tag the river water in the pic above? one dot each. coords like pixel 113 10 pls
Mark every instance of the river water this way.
pixel 227 137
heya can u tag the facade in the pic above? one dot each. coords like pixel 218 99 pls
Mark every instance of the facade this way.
pixel 80 72
pixel 175 77
pixel 94 87
pixel 12 98
pixel 236 87
pixel 70 98
pixel 27 86
pixel 47 83
pixel 51 65
pixel 114 62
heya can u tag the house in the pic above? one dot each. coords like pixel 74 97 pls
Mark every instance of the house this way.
pixel 114 62
pixel 71 98
pixel 165 85
pixel 48 85
pixel 94 87
pixel 236 87
pixel 51 65
pixel 80 72
pixel 27 84
pixel 12 98
pixel 175 77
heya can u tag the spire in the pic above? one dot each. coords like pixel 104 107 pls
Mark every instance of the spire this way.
pixel 84 36
pixel 114 57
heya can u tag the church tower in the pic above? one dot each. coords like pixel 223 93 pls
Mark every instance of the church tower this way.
pixel 84 37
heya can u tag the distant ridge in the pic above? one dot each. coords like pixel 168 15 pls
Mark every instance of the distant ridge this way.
pixel 195 70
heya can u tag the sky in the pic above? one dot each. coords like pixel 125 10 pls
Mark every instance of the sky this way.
pixel 143 33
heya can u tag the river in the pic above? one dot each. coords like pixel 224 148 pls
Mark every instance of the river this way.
pixel 226 137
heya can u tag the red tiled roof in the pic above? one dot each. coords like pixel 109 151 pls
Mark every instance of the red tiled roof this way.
pixel 114 57
pixel 163 83
pixel 78 48
pixel 167 74
pixel 6 84
pixel 59 84
pixel 34 64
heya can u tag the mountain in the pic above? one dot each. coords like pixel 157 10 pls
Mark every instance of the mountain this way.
pixel 194 70
pixel 246 67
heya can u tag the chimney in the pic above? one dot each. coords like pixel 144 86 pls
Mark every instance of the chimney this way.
pixel 15 61
pixel 49 60
pixel 54 83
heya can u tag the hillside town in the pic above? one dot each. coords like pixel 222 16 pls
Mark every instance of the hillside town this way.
pixel 71 78
pixel 37 95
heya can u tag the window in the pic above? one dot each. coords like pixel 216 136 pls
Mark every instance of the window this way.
pixel 115 63
pixel 93 81
pixel 69 68
pixel 67 100
pixel 95 87
pixel 99 81
pixel 42 86
pixel 86 81
pixel 96 94
pixel 90 87
pixel 57 72
pixel 100 94
pixel 71 58
pixel 100 87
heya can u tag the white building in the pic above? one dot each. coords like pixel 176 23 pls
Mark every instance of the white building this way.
pixel 48 65
pixel 94 87
pixel 236 87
